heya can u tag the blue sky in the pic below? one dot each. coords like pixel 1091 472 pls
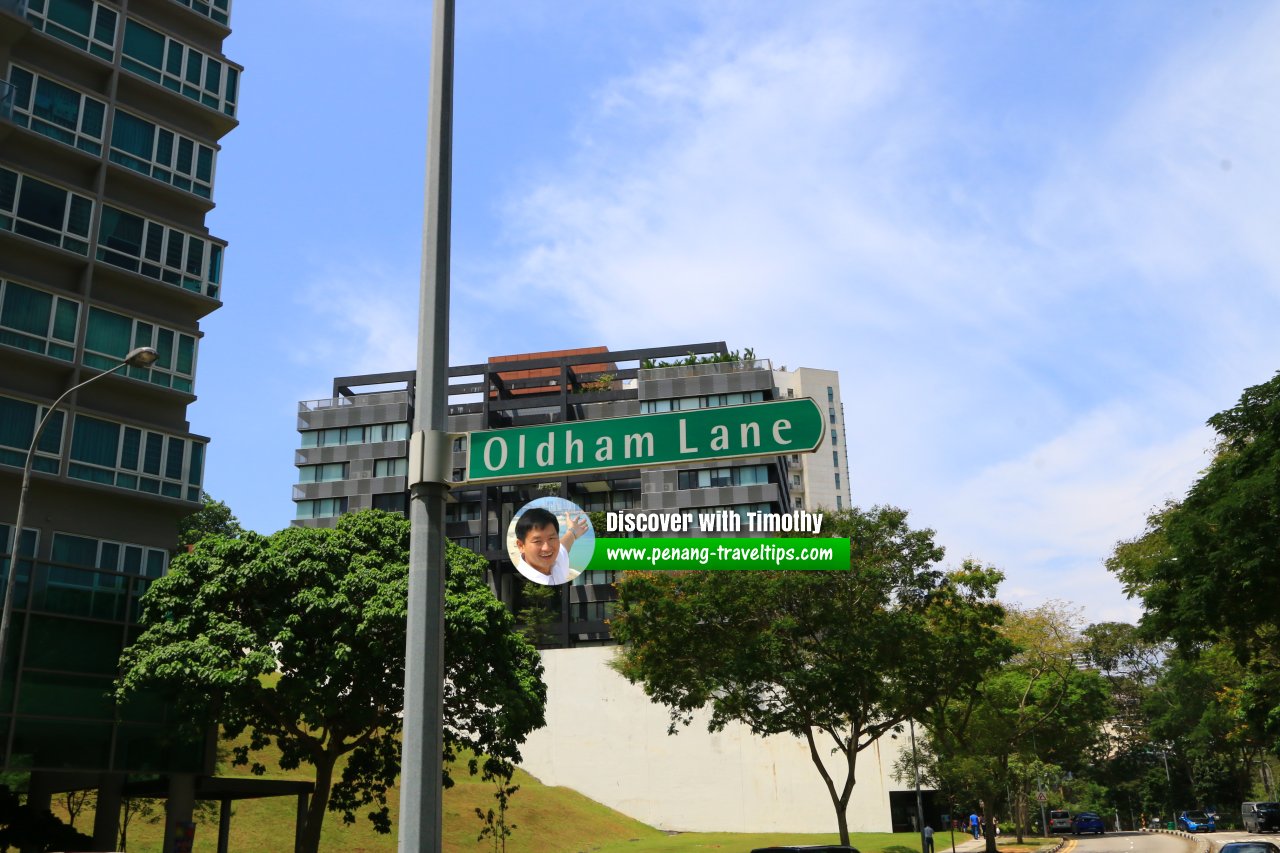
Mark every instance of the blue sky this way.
pixel 1036 239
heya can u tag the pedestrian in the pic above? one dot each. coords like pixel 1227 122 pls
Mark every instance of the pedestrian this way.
pixel 974 824
pixel 927 832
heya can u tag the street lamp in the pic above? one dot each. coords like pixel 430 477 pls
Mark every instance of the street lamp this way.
pixel 140 357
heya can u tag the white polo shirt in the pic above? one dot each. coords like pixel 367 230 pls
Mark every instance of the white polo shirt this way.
pixel 560 571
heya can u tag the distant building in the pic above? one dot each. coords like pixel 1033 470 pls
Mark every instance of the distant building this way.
pixel 110 119
pixel 354 448
pixel 822 481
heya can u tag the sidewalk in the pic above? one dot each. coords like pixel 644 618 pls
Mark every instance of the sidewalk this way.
pixel 966 843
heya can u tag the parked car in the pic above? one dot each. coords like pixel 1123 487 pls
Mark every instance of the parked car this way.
pixel 1196 821
pixel 1087 822
pixel 1249 847
pixel 1059 821
pixel 1260 817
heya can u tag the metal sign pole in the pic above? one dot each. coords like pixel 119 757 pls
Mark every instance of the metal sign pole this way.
pixel 420 779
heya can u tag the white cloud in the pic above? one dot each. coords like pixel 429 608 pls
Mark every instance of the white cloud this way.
pixel 363 319
pixel 1027 366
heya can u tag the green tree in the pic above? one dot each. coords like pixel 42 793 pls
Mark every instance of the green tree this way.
pixel 299 638
pixel 837 658
pixel 1036 711
pixel 213 518
pixel 1127 752
pixel 1207 568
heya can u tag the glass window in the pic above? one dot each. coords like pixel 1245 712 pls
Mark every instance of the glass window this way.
pixel 146 46
pixel 40 322
pixel 42 204
pixel 391 502
pixel 322 508
pixel 105 452
pixel 57 111
pixel 178 67
pixel 108 333
pixel 95 442
pixel 837 481
pixel 81 23
pixel 839 502
pixel 110 336
pixel 156 251
pixel 831 394
pixel 326 473
pixel 831 412
pixel 835 458
pixel 390 467
pixel 142 146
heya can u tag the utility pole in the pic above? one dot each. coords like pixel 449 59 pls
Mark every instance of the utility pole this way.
pixel 420 772
pixel 915 765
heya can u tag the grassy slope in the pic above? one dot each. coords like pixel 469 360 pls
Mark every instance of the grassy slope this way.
pixel 548 820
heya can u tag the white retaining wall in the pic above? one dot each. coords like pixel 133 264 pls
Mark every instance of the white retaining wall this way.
pixel 605 739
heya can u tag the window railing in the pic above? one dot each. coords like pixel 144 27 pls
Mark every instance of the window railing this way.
pixel 44 212
pixel 56 111
pixel 376 399
pixel 175 257
pixel 66 21
pixel 684 371
pixel 180 68
pixel 38 321
pixel 6 100
pixel 218 11
pixel 160 153
pixel 110 336
pixel 136 459
pixel 14 7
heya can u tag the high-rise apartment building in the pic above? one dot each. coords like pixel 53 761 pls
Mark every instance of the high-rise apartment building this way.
pixel 354 448
pixel 110 117
pixel 819 480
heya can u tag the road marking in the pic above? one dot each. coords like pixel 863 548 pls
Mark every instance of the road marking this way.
pixel 1068 846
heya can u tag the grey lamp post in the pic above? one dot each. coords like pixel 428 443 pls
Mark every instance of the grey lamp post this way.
pixel 140 357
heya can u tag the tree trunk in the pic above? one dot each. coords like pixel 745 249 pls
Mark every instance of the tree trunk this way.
pixel 989 829
pixel 839 800
pixel 842 823
pixel 319 803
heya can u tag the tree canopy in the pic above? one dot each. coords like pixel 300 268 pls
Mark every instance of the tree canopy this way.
pixel 1207 568
pixel 213 517
pixel 299 638
pixel 1032 716
pixel 838 658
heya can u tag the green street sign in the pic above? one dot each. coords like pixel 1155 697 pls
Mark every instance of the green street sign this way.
pixel 697 435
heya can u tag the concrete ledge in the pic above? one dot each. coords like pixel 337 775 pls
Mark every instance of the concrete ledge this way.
pixel 1202 843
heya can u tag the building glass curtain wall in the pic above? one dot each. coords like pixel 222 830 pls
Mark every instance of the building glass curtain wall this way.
pixel 111 120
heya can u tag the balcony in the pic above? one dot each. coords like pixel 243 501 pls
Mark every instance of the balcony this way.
pixel 688 371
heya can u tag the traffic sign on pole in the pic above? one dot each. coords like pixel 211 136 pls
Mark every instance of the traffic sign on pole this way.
pixel 696 435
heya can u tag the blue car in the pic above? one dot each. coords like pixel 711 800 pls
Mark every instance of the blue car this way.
pixel 1087 822
pixel 1196 821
